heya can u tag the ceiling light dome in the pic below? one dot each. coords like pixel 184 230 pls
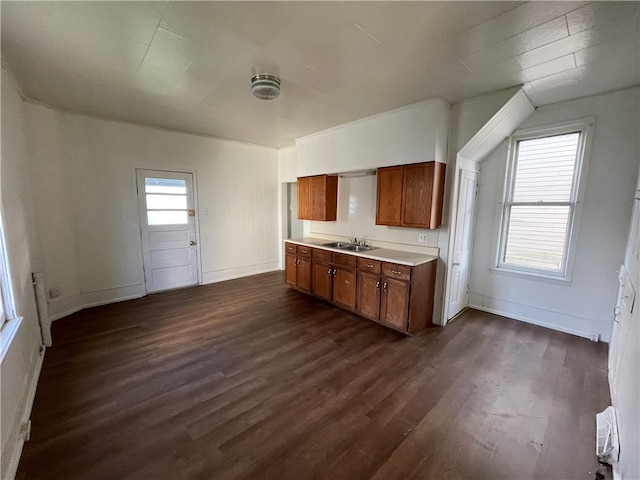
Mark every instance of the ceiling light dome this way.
pixel 265 86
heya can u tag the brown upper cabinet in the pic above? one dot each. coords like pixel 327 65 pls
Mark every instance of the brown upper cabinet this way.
pixel 303 198
pixel 318 197
pixel 410 195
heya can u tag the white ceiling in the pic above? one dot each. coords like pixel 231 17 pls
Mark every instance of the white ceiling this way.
pixel 187 65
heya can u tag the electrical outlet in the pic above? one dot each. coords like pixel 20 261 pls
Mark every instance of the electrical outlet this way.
pixel 54 292
pixel 422 238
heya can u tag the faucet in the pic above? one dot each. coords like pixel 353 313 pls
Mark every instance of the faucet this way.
pixel 355 241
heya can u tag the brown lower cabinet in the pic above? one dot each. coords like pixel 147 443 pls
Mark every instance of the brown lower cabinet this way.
pixel 397 296
pixel 394 305
pixel 334 278
pixel 298 270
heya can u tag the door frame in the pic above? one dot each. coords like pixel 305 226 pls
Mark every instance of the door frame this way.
pixel 461 165
pixel 196 207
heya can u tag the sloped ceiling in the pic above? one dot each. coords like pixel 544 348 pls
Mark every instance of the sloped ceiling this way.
pixel 187 65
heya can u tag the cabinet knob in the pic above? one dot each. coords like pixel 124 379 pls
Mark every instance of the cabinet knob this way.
pixel 397 272
pixel 329 272
pixel 377 285
pixel 334 271
pixel 369 265
pixel 384 287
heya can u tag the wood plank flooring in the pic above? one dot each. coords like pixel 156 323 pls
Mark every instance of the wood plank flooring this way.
pixel 250 379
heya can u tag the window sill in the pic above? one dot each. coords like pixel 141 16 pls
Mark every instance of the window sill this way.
pixel 7 334
pixel 531 276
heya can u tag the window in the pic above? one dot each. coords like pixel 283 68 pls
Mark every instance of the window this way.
pixel 542 198
pixel 9 321
pixel 166 201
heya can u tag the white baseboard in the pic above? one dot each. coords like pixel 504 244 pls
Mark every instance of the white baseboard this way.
pixel 27 405
pixel 72 304
pixel 239 272
pixel 66 306
pixel 560 324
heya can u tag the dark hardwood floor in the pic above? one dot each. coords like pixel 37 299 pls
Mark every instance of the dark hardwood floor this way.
pixel 249 379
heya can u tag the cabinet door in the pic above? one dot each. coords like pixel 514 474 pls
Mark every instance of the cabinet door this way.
pixel 417 190
pixel 323 195
pixel 368 301
pixel 304 274
pixel 317 197
pixel 389 196
pixel 344 287
pixel 394 310
pixel 303 198
pixel 290 268
pixel 321 281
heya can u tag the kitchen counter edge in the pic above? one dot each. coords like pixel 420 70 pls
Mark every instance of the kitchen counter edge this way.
pixel 400 257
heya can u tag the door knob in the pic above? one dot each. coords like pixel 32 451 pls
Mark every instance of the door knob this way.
pixel 192 242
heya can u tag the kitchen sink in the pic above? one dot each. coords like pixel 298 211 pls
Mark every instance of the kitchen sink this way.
pixel 359 248
pixel 349 246
pixel 336 245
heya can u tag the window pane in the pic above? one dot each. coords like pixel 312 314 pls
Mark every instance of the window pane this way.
pixel 165 185
pixel 544 168
pixel 166 202
pixel 537 236
pixel 167 217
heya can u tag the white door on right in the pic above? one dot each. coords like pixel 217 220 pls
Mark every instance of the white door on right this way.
pixel 459 297
pixel 168 229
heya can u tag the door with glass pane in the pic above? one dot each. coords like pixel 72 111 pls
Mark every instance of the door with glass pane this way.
pixel 168 229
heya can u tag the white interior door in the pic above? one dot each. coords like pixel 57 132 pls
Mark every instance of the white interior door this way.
pixel 461 258
pixel 168 229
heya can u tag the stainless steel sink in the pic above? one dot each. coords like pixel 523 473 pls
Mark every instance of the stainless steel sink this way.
pixel 336 245
pixel 359 248
pixel 349 246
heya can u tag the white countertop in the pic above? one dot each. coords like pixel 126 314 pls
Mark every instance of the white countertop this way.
pixel 382 254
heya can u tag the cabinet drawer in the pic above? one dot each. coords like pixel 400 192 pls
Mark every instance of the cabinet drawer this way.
pixel 345 260
pixel 290 248
pixel 369 265
pixel 401 272
pixel 322 255
pixel 304 251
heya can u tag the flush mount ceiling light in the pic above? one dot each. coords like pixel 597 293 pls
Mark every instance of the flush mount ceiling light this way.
pixel 265 86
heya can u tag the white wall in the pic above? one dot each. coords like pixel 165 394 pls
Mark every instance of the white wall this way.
pixel 287 162
pixel 583 307
pixel 412 134
pixel 84 189
pixel 21 365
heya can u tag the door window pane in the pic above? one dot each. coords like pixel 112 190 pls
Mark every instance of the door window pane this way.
pixel 166 202
pixel 167 217
pixel 165 185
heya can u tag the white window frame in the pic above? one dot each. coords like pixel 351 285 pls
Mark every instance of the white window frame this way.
pixel 584 126
pixel 10 320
